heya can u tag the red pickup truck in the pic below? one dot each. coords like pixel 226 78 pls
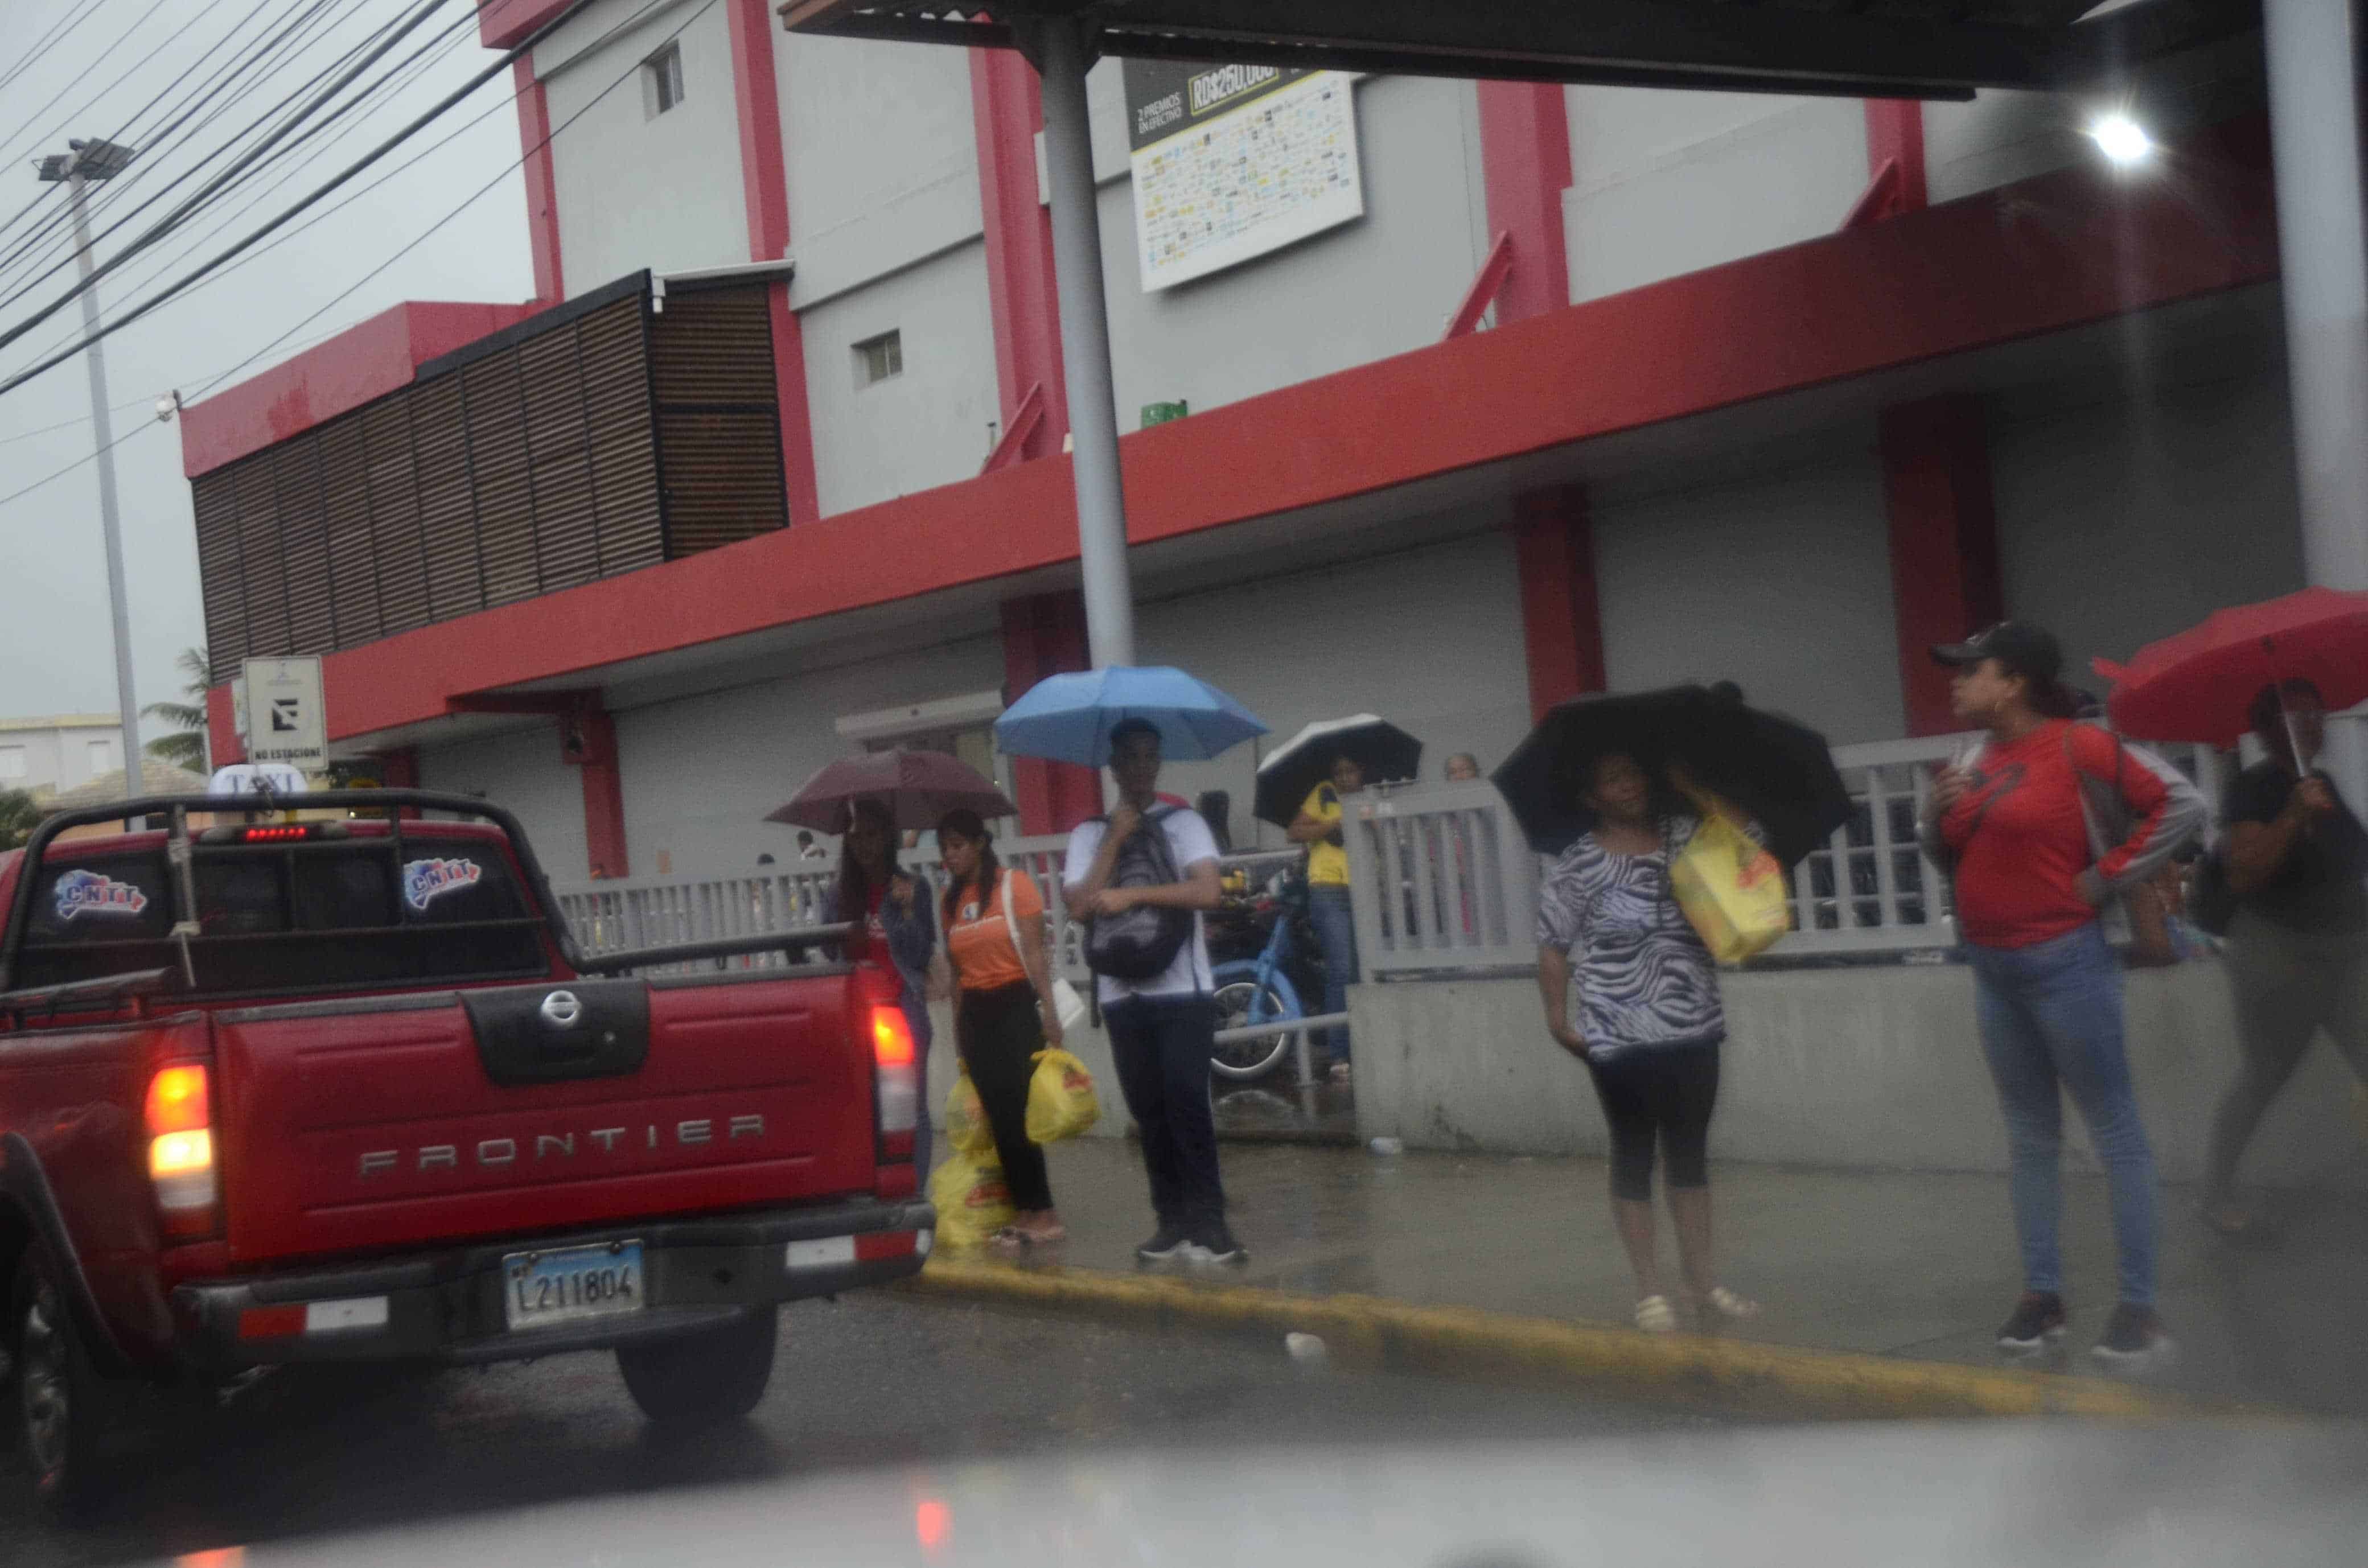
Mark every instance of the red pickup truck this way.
pixel 287 1090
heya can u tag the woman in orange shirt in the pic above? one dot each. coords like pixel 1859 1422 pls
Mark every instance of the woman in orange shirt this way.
pixel 1004 1012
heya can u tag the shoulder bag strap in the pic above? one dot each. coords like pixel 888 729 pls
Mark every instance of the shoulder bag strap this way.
pixel 1011 922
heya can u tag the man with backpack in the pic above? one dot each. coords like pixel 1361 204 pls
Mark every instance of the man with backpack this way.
pixel 1142 876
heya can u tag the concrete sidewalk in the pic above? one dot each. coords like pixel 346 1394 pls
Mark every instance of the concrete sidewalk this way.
pixel 1907 1265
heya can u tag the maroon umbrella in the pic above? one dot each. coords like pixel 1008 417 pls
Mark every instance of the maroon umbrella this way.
pixel 919 787
pixel 2195 685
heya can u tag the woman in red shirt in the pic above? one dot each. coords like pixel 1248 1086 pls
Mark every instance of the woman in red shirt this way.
pixel 2018 821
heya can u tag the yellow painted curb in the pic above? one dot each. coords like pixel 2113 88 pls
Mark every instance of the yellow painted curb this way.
pixel 1465 1341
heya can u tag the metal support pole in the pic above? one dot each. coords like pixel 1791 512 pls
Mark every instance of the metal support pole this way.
pixel 102 430
pixel 2323 258
pixel 1084 342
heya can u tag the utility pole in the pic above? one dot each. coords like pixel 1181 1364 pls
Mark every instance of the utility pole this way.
pixel 87 162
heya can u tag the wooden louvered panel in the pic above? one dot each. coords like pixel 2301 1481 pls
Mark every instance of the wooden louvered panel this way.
pixel 216 503
pixel 713 345
pixel 497 460
pixel 353 571
pixel 566 523
pixel 304 544
pixel 624 465
pixel 447 514
pixel 399 549
pixel 258 551
pixel 723 478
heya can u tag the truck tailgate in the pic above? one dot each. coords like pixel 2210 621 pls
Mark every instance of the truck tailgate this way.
pixel 356 1126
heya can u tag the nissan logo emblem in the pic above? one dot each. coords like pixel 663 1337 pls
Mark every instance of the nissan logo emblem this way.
pixel 561 1009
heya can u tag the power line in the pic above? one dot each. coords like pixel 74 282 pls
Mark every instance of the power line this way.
pixel 250 71
pixel 466 203
pixel 195 17
pixel 164 225
pixel 48 41
pixel 368 159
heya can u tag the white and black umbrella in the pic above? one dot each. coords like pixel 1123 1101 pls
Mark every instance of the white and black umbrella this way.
pixel 1386 753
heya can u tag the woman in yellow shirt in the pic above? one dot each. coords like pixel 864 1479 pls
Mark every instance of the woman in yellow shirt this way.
pixel 1318 827
pixel 1004 1010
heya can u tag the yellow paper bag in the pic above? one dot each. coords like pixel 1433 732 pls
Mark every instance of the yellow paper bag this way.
pixel 1731 889
pixel 1061 1102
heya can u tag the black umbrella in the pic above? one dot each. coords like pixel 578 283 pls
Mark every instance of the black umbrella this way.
pixel 1285 778
pixel 1778 772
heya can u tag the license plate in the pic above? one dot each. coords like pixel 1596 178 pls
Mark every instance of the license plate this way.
pixel 572 1283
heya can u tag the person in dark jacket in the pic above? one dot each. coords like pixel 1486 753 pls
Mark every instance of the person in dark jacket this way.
pixel 887 903
pixel 2298 946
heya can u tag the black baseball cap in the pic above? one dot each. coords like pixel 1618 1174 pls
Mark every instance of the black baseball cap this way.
pixel 2025 650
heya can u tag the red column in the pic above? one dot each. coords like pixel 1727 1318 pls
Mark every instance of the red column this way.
pixel 399 769
pixel 766 190
pixel 587 738
pixel 1525 151
pixel 1042 635
pixel 1554 544
pixel 1944 553
pixel 223 744
pixel 541 180
pixel 1007 108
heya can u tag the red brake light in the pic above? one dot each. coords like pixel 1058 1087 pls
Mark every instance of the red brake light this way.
pixel 891 1038
pixel 273 835
pixel 179 1101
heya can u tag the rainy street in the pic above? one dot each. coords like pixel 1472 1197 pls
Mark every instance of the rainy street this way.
pixel 869 1381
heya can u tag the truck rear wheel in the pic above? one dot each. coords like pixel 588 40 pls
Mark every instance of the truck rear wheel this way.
pixel 713 1376
pixel 63 1408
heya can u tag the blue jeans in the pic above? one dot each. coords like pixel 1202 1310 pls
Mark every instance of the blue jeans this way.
pixel 2051 1015
pixel 1336 932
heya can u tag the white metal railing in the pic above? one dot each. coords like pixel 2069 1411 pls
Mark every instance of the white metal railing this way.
pixel 1440 880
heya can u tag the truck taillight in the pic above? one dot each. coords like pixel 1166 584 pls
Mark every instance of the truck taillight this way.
pixel 899 1075
pixel 181 1148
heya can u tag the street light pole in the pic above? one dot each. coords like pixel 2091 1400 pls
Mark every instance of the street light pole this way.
pixel 1061 63
pixel 91 160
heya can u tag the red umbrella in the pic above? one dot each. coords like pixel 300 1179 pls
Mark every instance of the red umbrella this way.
pixel 919 787
pixel 2195 686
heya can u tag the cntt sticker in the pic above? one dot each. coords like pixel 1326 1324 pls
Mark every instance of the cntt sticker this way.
pixel 92 892
pixel 424 881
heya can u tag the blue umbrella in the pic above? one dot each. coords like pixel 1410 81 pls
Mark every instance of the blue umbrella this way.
pixel 1068 717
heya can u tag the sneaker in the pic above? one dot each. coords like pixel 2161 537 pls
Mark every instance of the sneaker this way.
pixel 2135 1339
pixel 2038 1323
pixel 1216 1244
pixel 1170 1242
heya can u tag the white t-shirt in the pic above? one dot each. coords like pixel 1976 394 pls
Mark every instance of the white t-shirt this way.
pixel 1189 841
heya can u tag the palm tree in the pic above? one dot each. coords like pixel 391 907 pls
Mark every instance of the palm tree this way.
pixel 185 747
pixel 18 817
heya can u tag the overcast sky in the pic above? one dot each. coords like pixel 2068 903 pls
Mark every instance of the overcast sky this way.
pixel 54 640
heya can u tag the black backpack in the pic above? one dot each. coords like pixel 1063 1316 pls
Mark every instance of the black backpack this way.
pixel 1141 943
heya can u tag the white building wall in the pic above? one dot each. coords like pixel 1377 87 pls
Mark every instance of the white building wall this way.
pixel 701 771
pixel 521 772
pixel 1781 583
pixel 1382 285
pixel 1430 638
pixel 638 190
pixel 1665 182
pixel 2123 520
pixel 57 757
pixel 926 426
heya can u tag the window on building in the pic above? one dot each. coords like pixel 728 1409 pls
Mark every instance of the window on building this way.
pixel 662 79
pixel 12 763
pixel 877 359
pixel 102 757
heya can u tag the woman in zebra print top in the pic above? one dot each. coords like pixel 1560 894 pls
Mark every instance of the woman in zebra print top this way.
pixel 1649 1025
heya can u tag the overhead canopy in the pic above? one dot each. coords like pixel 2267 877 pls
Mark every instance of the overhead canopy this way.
pixel 1906 49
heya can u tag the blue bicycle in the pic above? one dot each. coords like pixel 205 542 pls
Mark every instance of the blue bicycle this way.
pixel 1266 988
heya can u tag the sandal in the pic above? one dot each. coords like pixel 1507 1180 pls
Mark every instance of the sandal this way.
pixel 1654 1315
pixel 1043 1235
pixel 1725 1303
pixel 2238 1223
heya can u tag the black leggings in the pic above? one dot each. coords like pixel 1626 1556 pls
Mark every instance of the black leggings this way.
pixel 999 1035
pixel 1667 1089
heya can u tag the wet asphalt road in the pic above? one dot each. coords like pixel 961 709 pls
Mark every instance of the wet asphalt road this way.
pixel 866 1381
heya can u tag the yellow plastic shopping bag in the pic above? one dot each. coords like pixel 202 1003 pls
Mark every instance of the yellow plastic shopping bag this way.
pixel 971 1198
pixel 1731 889
pixel 967 1131
pixel 1061 1102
